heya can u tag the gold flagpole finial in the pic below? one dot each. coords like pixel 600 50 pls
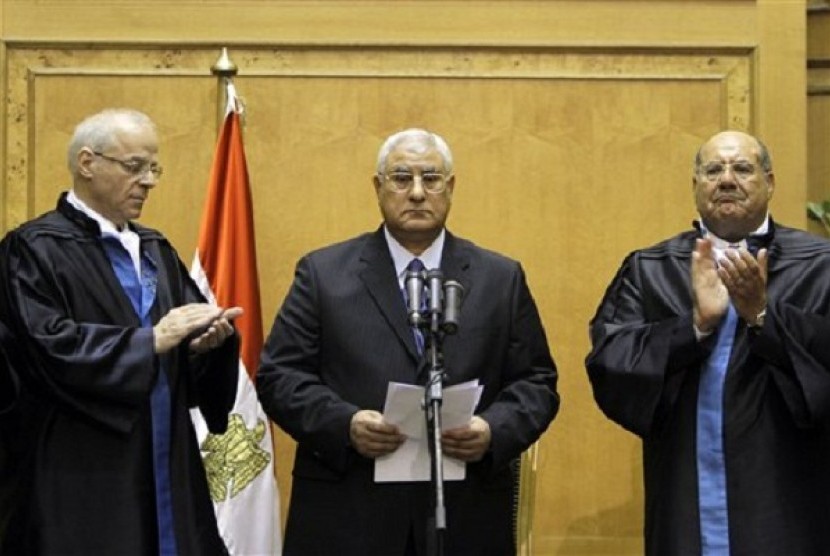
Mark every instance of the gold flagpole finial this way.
pixel 224 67
pixel 225 70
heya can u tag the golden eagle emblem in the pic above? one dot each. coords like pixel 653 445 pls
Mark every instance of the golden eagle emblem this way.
pixel 234 459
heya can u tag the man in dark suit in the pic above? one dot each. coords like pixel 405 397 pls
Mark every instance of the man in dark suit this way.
pixel 342 336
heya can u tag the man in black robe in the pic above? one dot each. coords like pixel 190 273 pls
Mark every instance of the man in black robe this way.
pixel 114 345
pixel 9 389
pixel 736 462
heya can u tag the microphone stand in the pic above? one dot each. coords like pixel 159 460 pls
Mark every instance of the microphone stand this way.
pixel 444 304
pixel 433 398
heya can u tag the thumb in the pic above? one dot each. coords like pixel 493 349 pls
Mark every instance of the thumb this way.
pixel 232 313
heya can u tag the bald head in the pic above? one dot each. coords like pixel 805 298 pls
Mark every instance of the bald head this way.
pixel 732 184
pixel 113 159
pixel 100 131
pixel 763 155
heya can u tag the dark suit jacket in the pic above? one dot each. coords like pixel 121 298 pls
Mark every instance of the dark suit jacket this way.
pixel 341 336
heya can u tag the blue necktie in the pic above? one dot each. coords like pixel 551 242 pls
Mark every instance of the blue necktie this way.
pixel 711 468
pixel 415 265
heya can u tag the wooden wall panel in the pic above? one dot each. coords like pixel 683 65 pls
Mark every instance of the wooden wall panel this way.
pixel 426 23
pixel 818 105
pixel 780 82
pixel 818 137
pixel 573 131
pixel 50 91
pixel 818 31
pixel 819 145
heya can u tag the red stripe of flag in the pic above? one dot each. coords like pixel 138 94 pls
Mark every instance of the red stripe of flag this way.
pixel 227 249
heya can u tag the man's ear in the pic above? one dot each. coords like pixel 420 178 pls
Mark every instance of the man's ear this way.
pixel 451 185
pixel 85 157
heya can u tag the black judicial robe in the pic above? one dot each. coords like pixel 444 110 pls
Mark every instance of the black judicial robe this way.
pixel 83 467
pixel 9 390
pixel 645 368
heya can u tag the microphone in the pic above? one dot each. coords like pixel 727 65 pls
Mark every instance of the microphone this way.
pixel 453 297
pixel 414 282
pixel 435 279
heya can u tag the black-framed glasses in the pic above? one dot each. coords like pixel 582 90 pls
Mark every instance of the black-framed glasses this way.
pixel 741 169
pixel 432 182
pixel 135 166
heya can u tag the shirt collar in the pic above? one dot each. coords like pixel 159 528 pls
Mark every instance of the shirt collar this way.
pixel 107 226
pixel 719 245
pixel 762 230
pixel 431 257
pixel 127 237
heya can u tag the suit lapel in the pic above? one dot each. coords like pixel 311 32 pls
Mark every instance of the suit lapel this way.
pixel 378 275
pixel 455 263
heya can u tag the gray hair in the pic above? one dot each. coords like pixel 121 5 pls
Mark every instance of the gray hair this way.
pixel 425 138
pixel 763 156
pixel 98 131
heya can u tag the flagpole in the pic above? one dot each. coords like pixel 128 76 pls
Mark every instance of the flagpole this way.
pixel 225 70
pixel 239 463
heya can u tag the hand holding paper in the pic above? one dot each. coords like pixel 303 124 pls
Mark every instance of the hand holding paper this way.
pixel 468 443
pixel 371 436
pixel 411 462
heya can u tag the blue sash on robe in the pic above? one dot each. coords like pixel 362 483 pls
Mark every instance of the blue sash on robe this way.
pixel 142 294
pixel 711 467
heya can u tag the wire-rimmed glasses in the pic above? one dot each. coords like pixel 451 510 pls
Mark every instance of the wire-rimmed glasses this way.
pixel 431 182
pixel 135 166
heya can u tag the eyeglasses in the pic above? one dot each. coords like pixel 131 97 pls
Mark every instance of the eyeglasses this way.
pixel 135 166
pixel 714 171
pixel 432 182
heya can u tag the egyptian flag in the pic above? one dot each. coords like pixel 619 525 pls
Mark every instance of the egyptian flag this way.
pixel 239 463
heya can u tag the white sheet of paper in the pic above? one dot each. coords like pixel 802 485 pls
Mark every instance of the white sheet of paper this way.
pixel 411 462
